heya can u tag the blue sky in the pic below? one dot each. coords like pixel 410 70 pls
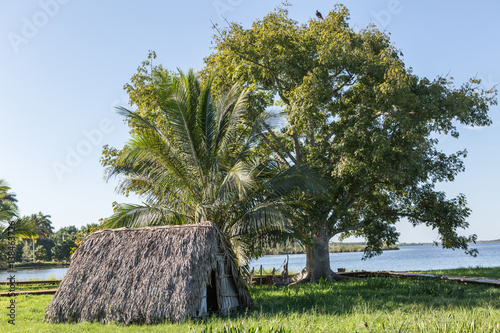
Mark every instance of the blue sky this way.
pixel 63 64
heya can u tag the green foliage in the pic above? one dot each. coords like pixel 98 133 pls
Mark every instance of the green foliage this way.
pixel 193 163
pixel 62 250
pixel 143 91
pixel 44 223
pixel 84 232
pixel 19 250
pixel 333 248
pixel 48 244
pixel 41 253
pixel 64 240
pixel 355 111
pixel 39 264
pixel 26 227
pixel 27 253
pixel 8 207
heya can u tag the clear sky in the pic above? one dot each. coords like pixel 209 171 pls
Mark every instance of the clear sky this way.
pixel 63 64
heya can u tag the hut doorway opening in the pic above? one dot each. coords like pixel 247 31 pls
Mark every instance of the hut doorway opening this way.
pixel 212 304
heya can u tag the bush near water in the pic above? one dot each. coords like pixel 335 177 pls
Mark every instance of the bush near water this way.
pixel 334 248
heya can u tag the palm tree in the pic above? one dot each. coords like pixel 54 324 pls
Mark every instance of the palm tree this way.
pixel 8 207
pixel 44 223
pixel 24 227
pixel 196 166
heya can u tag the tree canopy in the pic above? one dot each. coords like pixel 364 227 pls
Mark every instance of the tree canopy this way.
pixel 190 161
pixel 359 114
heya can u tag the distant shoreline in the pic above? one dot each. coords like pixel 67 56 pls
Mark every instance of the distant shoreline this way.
pixel 338 247
pixel 36 265
pixel 333 248
pixel 478 242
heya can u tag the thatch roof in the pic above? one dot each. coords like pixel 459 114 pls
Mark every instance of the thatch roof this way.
pixel 144 275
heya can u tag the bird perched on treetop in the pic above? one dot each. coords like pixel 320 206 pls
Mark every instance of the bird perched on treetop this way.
pixel 318 14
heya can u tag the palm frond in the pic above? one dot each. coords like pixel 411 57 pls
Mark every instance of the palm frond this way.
pixel 195 165
pixel 136 216
pixel 26 227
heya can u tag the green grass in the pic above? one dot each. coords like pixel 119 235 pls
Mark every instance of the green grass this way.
pixel 384 304
pixel 48 278
pixel 487 272
pixel 40 264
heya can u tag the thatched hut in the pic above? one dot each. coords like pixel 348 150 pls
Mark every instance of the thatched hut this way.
pixel 149 275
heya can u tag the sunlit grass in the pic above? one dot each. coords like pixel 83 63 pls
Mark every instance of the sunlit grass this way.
pixel 384 304
pixel 487 272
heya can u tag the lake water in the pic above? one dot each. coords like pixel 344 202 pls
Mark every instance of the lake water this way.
pixel 35 273
pixel 415 257
pixel 418 257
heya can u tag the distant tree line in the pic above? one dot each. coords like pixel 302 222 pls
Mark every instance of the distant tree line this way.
pixel 36 239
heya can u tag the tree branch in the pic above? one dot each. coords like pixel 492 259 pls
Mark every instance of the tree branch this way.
pixel 352 201
pixel 364 223
pixel 275 150
pixel 312 140
pixel 347 82
pixel 286 100
pixel 280 144
pixel 296 147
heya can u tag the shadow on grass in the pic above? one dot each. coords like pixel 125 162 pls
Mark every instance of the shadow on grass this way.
pixel 372 294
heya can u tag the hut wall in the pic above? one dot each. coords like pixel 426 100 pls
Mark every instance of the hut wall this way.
pixel 203 304
pixel 226 289
pixel 148 275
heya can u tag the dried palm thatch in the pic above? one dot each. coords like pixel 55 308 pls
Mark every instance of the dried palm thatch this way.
pixel 149 275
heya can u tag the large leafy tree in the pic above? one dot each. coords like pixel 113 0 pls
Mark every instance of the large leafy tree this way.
pixel 191 162
pixel 366 121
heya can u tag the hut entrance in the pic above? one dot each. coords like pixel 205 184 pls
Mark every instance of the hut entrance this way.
pixel 212 304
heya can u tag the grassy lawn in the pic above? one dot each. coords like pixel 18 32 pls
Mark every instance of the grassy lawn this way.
pixel 490 272
pixel 385 305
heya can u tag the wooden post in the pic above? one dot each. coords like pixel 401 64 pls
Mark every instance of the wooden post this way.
pixel 261 275
pixel 285 271
pixel 250 278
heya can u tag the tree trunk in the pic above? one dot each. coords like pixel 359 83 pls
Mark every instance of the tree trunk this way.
pixel 317 260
